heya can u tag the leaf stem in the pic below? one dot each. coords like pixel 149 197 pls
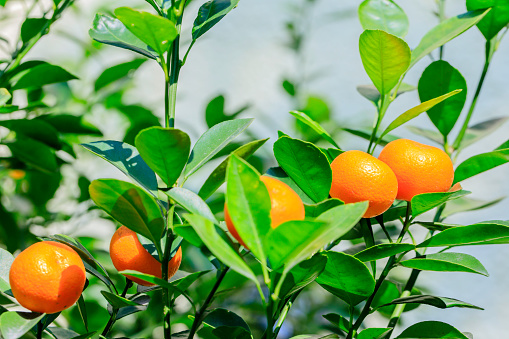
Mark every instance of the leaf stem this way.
pixel 198 318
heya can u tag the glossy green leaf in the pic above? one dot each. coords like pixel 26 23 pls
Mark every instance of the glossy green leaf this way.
pixel 221 250
pixel 14 325
pixel 495 20
pixel 306 165
pixel 117 301
pixel 302 275
pixel 70 124
pixel 444 32
pixel 184 283
pixel 31 27
pixel 304 118
pixel 227 324
pixel 40 75
pixel 446 262
pixel 313 211
pixel 130 206
pixel 217 177
pixel 422 203
pixel 156 31
pixel 385 58
pixel 439 302
pixel 248 204
pixel 280 174
pixel 112 31
pixel 6 260
pixel 476 234
pixel 480 163
pixel 127 159
pixel 165 150
pixel 374 333
pixel 384 15
pixel 466 205
pixel 431 330
pixel 438 79
pixel 483 129
pixel 293 241
pixel 117 72
pixel 347 278
pixel 191 202
pixel 383 251
pixel 338 321
pixel 210 14
pixel 416 111
pixel 214 140
pixel 33 153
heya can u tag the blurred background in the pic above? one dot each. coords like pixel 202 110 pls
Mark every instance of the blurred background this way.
pixel 266 58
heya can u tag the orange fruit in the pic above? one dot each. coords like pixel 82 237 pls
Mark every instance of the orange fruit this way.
pixel 127 253
pixel 47 277
pixel 358 176
pixel 285 204
pixel 419 168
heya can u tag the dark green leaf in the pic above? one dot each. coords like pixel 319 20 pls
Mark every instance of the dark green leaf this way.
pixel 215 112
pixel 439 302
pixel 388 291
pixel 422 203
pixel 431 330
pixel 438 79
pixel 480 163
pixel 156 31
pixel 165 150
pixel 34 153
pixel 338 321
pixel 70 124
pixel 40 75
pixel 385 58
pixel 227 325
pixel 117 301
pixel 112 31
pixel 31 27
pixel 191 202
pixel 130 206
pixel 384 15
pixel 446 262
pixel 36 129
pixel 382 251
pixel 313 211
pixel 117 72
pixel 374 333
pixel 495 20
pixel 476 234
pixel 212 141
pixel 444 32
pixel 306 165
pixel 210 14
pixel 217 177
pixel 14 325
pixel 189 234
pixel 127 159
pixel 289 87
pixel 304 118
pixel 302 275
pixel 347 278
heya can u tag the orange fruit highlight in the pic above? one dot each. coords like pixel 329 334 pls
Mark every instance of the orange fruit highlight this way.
pixel 358 176
pixel 419 168
pixel 285 204
pixel 47 277
pixel 127 253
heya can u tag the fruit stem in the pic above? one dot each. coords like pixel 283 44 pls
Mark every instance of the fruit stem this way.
pixel 198 317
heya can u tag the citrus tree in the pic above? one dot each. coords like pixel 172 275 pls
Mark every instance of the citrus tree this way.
pixel 342 219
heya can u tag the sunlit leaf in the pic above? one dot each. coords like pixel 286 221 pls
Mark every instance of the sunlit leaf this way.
pixel 385 15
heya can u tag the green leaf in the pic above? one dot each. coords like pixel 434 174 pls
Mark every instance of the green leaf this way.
pixel 366 135
pixel 70 124
pixel 289 87
pixel 439 302
pixel 477 234
pixel 217 177
pixel 293 241
pixel 444 32
pixel 302 275
pixel 372 94
pixel 112 31
pixel 117 301
pixel 35 129
pixel 184 283
pixel 388 291
pixel 130 206
pixel 6 260
pixel 304 118
pixel 313 211
pixel 117 72
pixel 429 134
pixel 338 321
pixel 446 262
pixel 481 130
pixel 384 15
pixel 248 204
pixel 34 153
pixel 382 251
pixel 210 14
pixel 480 163
pixel 5 96
pixel 280 174
pixel 14 325
pixel 212 141
pixel 431 330
pixel 306 165
pixel 40 75
pixel 227 325
pixel 127 159
pixel 374 333
pixel 31 27
pixel 422 203
pixel 495 20
pixel 466 205
pixel 438 79
pixel 191 202
pixel 165 150
pixel 347 278
pixel 416 111
pixel 385 58
pixel 221 250
pixel 215 112
pixel 156 31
